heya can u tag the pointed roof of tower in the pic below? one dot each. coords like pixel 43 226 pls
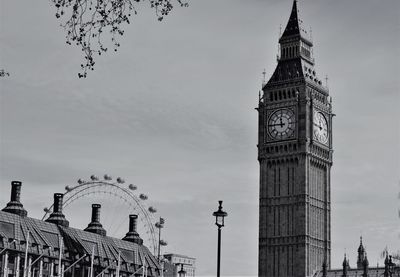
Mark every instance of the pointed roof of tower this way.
pixel 345 261
pixel 361 248
pixel 296 62
pixel 294 26
pixel 365 262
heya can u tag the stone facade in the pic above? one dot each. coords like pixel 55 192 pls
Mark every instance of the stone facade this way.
pixel 177 262
pixel 295 156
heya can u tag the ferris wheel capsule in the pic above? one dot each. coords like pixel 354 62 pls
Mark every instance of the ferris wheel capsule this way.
pixel 46 210
pixel 94 178
pixel 132 187
pixel 143 196
pixel 80 181
pixel 107 177
pixel 152 209
pixel 163 243
pixel 68 188
pixel 120 180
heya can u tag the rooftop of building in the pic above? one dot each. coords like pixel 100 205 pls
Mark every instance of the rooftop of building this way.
pixel 47 238
pixel 178 255
pixel 355 272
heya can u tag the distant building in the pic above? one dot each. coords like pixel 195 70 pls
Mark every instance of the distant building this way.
pixel 34 248
pixel 362 268
pixel 176 262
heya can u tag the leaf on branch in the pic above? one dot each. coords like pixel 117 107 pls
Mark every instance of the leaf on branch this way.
pixel 86 20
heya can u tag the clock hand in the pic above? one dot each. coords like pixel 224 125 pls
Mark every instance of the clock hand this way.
pixel 319 125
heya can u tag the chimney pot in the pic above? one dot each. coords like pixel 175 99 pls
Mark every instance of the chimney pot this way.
pixel 96 212
pixel 133 235
pixel 58 202
pixel 95 225
pixel 133 222
pixel 16 191
pixel 57 216
pixel 15 206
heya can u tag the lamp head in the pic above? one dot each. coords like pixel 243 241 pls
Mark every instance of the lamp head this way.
pixel 220 216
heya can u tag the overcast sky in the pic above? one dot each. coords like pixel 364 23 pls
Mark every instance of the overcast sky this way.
pixel 173 112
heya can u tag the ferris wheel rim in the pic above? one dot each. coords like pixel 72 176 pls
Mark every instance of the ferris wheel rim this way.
pixel 87 185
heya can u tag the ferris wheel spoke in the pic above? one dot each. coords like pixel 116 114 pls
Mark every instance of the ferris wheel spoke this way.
pixel 110 220
pixel 118 207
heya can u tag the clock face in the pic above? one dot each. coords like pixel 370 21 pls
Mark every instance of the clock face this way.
pixel 320 128
pixel 281 124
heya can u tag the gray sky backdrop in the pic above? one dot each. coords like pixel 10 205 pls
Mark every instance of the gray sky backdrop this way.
pixel 173 112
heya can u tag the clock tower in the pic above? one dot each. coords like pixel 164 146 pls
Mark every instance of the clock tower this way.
pixel 295 156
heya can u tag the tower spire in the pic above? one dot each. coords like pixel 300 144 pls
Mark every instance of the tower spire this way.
pixel 361 254
pixel 294 26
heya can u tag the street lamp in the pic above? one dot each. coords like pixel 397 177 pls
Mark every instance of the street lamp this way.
pixel 182 272
pixel 219 221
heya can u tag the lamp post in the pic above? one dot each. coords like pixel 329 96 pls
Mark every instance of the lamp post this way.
pixel 159 225
pixel 219 221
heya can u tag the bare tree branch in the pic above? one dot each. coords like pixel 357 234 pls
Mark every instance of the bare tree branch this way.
pixel 87 20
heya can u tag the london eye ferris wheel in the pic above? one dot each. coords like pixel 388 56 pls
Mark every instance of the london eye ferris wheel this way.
pixel 118 200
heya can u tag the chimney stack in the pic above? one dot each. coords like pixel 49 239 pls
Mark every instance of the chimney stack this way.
pixel 133 235
pixel 15 206
pixel 95 226
pixel 96 213
pixel 16 191
pixel 57 217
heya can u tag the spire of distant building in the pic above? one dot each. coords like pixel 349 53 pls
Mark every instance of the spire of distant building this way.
pixel 345 265
pixel 361 254
pixel 365 266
